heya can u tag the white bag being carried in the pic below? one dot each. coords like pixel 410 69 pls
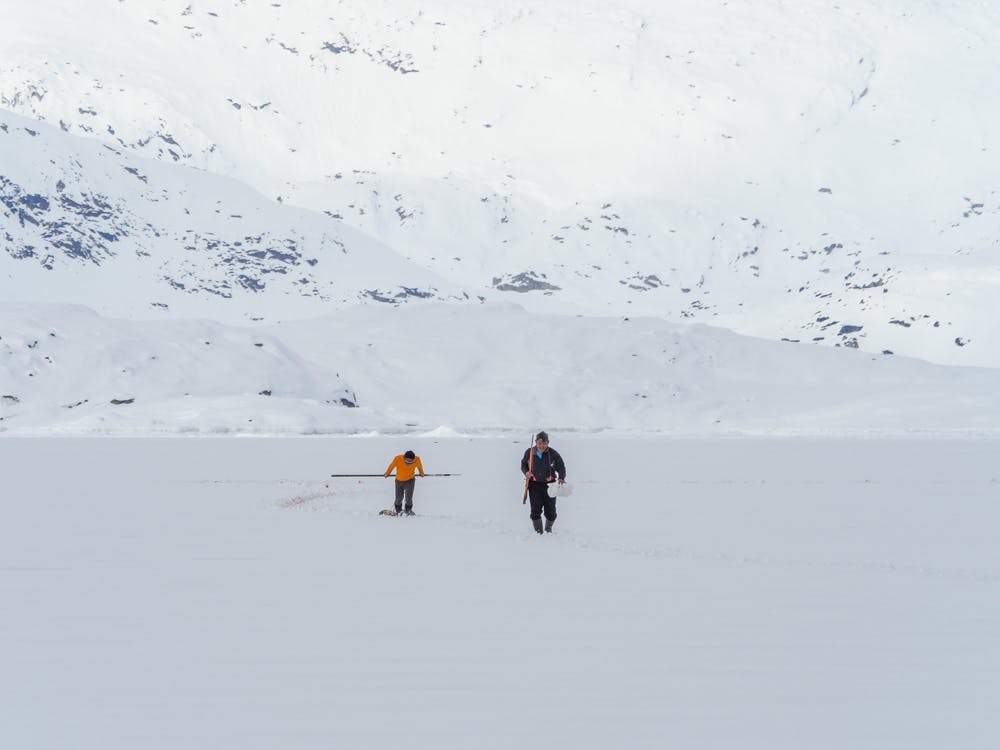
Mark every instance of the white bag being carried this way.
pixel 560 490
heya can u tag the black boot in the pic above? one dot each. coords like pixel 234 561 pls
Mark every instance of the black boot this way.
pixel 548 528
pixel 537 523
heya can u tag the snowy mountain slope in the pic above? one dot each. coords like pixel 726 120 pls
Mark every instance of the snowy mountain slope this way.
pixel 134 237
pixel 815 172
pixel 470 368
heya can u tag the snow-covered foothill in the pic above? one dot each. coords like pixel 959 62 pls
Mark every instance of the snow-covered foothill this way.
pixel 470 369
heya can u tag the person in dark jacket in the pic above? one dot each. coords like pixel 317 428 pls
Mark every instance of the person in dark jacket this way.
pixel 541 467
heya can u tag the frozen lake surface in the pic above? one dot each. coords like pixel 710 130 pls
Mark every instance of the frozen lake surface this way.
pixel 743 593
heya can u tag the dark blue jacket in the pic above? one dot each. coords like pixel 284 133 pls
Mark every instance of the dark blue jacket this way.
pixel 546 469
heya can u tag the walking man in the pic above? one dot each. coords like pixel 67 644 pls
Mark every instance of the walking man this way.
pixel 405 465
pixel 541 467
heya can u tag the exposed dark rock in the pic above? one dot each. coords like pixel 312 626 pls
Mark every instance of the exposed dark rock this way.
pixel 642 283
pixel 527 281
pixel 408 291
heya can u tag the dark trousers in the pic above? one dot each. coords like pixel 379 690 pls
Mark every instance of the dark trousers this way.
pixel 538 496
pixel 405 489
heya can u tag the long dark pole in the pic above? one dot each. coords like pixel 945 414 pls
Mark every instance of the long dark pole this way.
pixel 531 456
pixel 391 475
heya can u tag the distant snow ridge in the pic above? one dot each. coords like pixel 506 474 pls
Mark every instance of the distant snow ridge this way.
pixel 69 369
pixel 459 369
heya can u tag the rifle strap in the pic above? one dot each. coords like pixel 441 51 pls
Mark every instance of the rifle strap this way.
pixel 531 458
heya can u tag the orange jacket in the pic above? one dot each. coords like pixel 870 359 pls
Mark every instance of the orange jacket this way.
pixel 405 471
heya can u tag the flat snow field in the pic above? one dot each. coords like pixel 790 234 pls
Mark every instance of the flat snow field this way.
pixel 698 593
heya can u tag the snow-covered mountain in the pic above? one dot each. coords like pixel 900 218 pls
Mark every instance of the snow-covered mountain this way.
pixel 816 173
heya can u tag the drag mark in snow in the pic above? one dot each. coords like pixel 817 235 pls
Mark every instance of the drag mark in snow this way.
pixel 888 568
pixel 300 501
pixel 296 501
pixel 861 566
pixel 242 481
pixel 308 498
pixel 664 552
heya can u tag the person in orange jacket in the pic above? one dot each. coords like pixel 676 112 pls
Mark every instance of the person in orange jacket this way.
pixel 406 466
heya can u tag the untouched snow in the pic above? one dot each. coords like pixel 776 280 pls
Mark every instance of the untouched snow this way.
pixel 743 594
